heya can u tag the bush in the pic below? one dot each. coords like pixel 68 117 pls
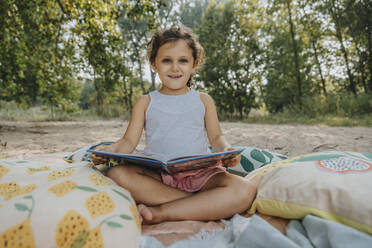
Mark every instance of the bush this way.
pixel 343 105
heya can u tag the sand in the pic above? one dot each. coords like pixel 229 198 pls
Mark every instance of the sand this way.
pixel 22 138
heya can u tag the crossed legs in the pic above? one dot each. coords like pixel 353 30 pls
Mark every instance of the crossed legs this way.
pixel 221 197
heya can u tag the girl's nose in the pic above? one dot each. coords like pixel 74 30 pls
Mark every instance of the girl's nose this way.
pixel 174 67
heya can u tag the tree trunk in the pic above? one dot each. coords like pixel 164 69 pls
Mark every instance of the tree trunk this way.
pixel 343 49
pixel 141 76
pixel 98 93
pixel 323 87
pixel 369 39
pixel 361 68
pixel 295 53
pixel 139 62
pixel 127 95
pixel 153 76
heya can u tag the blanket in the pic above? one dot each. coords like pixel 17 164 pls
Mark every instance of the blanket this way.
pixel 255 232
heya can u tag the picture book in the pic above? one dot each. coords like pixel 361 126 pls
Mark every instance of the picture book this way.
pixel 173 165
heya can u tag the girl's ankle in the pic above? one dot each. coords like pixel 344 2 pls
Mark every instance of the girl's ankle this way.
pixel 157 214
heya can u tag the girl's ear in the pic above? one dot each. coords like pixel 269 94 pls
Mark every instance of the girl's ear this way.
pixel 195 66
pixel 153 67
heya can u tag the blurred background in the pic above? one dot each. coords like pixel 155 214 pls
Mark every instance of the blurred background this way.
pixel 274 61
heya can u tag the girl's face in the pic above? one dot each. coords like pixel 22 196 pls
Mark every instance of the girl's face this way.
pixel 174 64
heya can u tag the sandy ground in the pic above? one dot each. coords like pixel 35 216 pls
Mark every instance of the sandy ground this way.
pixel 22 138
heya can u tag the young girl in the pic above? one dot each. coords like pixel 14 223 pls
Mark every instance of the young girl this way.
pixel 178 120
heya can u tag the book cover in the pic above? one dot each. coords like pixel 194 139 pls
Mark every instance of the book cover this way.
pixel 173 165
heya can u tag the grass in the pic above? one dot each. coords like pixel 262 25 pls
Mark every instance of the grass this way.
pixel 38 114
pixel 11 112
pixel 290 117
pixel 328 120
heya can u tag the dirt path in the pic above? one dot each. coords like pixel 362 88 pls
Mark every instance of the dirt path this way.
pixel 19 138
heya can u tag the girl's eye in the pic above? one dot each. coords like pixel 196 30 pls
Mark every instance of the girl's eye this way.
pixel 166 60
pixel 184 61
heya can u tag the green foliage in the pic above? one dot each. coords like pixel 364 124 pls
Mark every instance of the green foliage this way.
pixel 44 44
pixel 11 111
pixel 343 104
pixel 310 59
pixel 191 12
pixel 286 117
pixel 112 103
pixel 230 72
pixel 86 95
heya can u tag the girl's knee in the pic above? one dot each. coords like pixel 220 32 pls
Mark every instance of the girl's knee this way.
pixel 244 188
pixel 121 174
pixel 248 192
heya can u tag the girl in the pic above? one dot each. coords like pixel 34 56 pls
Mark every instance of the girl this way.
pixel 178 120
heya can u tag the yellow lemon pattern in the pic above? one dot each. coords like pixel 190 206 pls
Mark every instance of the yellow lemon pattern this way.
pixel 33 170
pixel 11 190
pixel 8 187
pixel 60 174
pixel 99 204
pixel 63 188
pixel 99 180
pixel 3 170
pixel 19 235
pixel 94 239
pixel 71 227
pixel 134 212
pixel 89 195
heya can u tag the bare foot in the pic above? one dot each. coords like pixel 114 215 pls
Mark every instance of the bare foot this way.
pixel 145 213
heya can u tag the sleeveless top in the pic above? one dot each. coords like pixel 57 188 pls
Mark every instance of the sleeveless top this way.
pixel 175 126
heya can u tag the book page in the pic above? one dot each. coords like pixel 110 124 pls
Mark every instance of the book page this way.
pixel 199 161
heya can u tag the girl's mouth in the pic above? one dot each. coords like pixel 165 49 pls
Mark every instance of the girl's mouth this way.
pixel 175 76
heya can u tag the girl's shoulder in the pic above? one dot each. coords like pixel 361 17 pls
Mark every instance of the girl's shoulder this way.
pixel 206 99
pixel 144 99
pixel 142 102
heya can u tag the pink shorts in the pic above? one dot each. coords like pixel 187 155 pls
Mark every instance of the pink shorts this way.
pixel 191 181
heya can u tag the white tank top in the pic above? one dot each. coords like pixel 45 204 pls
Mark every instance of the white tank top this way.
pixel 175 126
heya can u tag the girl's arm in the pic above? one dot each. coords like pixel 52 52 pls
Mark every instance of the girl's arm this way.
pixel 214 132
pixel 133 133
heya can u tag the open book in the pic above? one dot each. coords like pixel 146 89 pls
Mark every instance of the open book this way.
pixel 173 165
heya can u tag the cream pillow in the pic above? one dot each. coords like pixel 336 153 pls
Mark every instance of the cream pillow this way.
pixel 63 205
pixel 332 185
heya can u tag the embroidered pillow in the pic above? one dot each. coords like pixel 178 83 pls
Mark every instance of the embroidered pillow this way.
pixel 333 185
pixel 253 158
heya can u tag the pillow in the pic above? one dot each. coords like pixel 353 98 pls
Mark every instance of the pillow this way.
pixel 333 185
pixel 82 154
pixel 63 205
pixel 253 158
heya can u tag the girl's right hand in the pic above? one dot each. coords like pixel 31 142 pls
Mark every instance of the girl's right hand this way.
pixel 97 159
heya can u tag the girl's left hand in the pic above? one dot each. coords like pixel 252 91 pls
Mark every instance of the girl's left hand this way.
pixel 232 161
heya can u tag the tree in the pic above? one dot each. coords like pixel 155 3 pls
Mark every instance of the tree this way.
pixel 335 11
pixel 283 80
pixel 44 45
pixel 35 55
pixel 229 76
pixel 358 20
pixel 314 33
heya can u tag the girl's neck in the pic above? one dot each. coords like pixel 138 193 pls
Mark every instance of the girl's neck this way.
pixel 166 91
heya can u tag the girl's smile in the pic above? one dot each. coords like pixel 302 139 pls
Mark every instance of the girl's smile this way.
pixel 175 76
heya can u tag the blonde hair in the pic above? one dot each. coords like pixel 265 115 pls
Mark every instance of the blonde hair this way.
pixel 173 34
